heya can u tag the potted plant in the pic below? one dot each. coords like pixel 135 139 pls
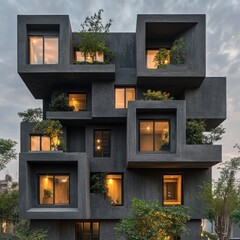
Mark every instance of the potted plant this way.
pixel 160 59
pixel 60 102
pixel 178 52
pixel 47 196
pixel 53 129
pixel 156 95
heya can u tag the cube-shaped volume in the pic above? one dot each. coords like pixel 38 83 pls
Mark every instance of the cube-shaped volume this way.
pixel 171 46
pixel 54 185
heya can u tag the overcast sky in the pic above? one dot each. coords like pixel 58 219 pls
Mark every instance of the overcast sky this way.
pixel 223 50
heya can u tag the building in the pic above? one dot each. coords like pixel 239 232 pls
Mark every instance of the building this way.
pixel 113 130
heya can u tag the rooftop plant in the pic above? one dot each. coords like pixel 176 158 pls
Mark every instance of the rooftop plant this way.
pixel 156 95
pixel 177 52
pixel 160 58
pixel 60 102
pixel 92 37
pixel 53 129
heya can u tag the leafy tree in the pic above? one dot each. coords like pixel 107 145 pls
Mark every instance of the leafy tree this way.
pixel 177 52
pixel 8 178
pixel 31 115
pixel 195 132
pixel 98 183
pixel 23 232
pixel 93 35
pixel 7 152
pixel 149 220
pixel 156 95
pixel 9 207
pixel 51 128
pixel 60 103
pixel 222 199
pixel 160 58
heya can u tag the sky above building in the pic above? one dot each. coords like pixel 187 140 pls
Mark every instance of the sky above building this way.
pixel 222 56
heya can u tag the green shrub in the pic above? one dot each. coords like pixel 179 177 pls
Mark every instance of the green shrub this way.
pixel 160 58
pixel 177 52
pixel 60 102
pixel 156 95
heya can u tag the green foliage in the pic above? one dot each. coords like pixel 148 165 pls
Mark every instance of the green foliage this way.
pixel 31 115
pixel 23 232
pixel 92 37
pixel 60 103
pixel 195 132
pixel 47 192
pixel 7 152
pixel 9 206
pixel 98 183
pixel 51 128
pixel 149 220
pixel 160 58
pixel 222 199
pixel 209 235
pixel 177 52
pixel 156 95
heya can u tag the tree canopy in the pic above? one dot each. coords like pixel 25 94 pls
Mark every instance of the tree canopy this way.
pixel 149 220
pixel 31 115
pixel 7 152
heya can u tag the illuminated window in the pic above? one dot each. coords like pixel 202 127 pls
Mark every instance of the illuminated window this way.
pixel 172 189
pixel 79 57
pixel 54 189
pixel 154 135
pixel 102 143
pixel 78 100
pixel 123 95
pixel 40 143
pixel 87 231
pixel 150 59
pixel 114 184
pixel 43 50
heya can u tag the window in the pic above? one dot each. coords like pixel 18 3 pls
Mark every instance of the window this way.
pixel 87 230
pixel 102 143
pixel 40 143
pixel 172 189
pixel 54 189
pixel 80 57
pixel 123 95
pixel 43 50
pixel 150 58
pixel 115 186
pixel 78 100
pixel 154 135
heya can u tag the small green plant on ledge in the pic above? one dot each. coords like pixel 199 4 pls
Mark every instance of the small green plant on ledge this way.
pixel 92 39
pixel 98 183
pixel 196 132
pixel 156 95
pixel 60 102
pixel 53 129
pixel 160 59
pixel 177 52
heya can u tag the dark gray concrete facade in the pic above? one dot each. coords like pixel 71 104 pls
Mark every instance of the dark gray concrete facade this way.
pixel 195 97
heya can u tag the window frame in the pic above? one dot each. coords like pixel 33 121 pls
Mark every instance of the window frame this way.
pixel 94 141
pixel 91 229
pixel 122 187
pixel 125 95
pixel 39 135
pixel 79 93
pixel 54 175
pixel 153 120
pixel 181 185
pixel 47 35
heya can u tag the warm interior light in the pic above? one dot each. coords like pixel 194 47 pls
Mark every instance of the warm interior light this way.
pixel 110 181
pixel 98 147
pixel 98 140
pixel 148 128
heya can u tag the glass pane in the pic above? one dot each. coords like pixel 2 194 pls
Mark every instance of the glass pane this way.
pixel 35 143
pixel 114 183
pixel 99 57
pixel 119 98
pixel 106 144
pixel 51 50
pixel 46 143
pixel 79 101
pixel 146 136
pixel 172 189
pixel 95 226
pixel 36 50
pixel 130 95
pixel 87 231
pixel 150 57
pixel 79 230
pixel 61 189
pixel 46 189
pixel 97 143
pixel 79 56
pixel 162 136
